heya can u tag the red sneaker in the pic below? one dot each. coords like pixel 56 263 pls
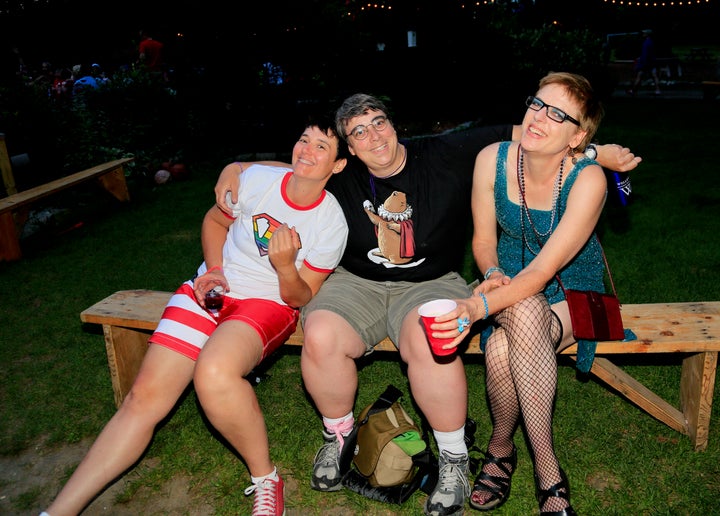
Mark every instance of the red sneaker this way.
pixel 269 497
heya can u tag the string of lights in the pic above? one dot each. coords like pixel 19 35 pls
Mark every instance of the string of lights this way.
pixel 682 3
pixel 387 5
pixel 369 6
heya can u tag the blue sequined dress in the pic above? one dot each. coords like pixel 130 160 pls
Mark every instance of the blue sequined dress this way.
pixel 584 272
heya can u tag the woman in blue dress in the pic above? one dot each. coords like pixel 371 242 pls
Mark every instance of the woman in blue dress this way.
pixel 535 206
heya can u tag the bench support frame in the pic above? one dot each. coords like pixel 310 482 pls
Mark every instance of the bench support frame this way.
pixel 15 208
pixel 129 317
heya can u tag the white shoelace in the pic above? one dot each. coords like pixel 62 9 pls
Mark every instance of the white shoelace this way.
pixel 265 497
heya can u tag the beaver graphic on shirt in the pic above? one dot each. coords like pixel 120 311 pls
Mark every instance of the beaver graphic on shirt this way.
pixel 393 227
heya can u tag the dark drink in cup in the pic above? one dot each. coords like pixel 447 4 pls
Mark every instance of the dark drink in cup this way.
pixel 214 299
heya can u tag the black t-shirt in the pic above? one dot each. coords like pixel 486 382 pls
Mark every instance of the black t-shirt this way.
pixel 418 227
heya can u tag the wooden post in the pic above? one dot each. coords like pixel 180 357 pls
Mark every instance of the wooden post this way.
pixel 6 168
pixel 9 238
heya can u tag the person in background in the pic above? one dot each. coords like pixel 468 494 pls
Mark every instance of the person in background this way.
pixel 85 80
pixel 285 236
pixel 408 209
pixel 62 84
pixel 646 64
pixel 98 74
pixel 150 53
pixel 535 205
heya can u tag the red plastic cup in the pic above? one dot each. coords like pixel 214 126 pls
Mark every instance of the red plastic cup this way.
pixel 428 312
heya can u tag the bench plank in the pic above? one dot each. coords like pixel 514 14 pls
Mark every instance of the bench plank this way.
pixel 660 327
pixel 33 194
pixel 128 318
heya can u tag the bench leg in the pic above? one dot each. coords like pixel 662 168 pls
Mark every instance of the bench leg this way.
pixel 9 238
pixel 639 394
pixel 114 182
pixel 697 384
pixel 125 351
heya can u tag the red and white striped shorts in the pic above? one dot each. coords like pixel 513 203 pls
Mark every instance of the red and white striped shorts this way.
pixel 185 326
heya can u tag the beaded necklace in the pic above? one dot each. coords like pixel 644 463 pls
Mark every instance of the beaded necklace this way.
pixel 525 212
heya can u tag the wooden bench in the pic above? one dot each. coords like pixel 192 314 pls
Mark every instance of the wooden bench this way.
pixel 128 318
pixel 14 208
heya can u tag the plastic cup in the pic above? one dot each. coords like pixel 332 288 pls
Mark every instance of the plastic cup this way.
pixel 428 312
pixel 214 300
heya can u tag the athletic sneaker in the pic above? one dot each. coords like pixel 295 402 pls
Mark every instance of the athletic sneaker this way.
pixel 332 461
pixel 453 486
pixel 269 497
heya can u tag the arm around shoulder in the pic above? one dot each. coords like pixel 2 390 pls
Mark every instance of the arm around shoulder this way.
pixel 616 157
pixel 229 181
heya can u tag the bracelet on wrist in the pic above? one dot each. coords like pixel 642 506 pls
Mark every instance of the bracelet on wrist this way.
pixel 214 268
pixel 485 302
pixel 491 270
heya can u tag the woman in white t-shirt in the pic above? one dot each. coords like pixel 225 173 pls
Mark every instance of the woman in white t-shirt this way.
pixel 285 236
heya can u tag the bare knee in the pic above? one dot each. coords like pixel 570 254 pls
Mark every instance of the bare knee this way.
pixel 211 377
pixel 144 402
pixel 329 337
pixel 318 336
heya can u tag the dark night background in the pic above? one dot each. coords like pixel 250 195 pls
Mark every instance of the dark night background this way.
pixel 466 65
pixel 234 32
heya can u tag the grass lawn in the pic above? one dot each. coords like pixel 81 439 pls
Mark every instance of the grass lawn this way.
pixel 56 388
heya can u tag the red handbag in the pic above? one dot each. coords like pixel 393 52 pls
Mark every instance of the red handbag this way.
pixel 595 315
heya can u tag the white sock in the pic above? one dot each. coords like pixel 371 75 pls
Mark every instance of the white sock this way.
pixel 453 442
pixel 257 480
pixel 345 423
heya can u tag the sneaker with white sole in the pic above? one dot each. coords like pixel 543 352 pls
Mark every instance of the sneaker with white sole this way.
pixel 269 497
pixel 453 487
pixel 332 461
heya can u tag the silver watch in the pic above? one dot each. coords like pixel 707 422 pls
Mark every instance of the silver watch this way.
pixel 591 151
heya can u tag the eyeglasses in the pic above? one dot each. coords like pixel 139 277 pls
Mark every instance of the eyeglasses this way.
pixel 553 113
pixel 379 123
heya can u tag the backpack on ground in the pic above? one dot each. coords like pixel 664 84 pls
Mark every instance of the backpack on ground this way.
pixel 392 458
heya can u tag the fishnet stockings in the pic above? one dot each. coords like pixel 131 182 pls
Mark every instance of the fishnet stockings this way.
pixel 521 380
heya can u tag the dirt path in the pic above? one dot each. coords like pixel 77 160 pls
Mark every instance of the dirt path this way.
pixel 37 475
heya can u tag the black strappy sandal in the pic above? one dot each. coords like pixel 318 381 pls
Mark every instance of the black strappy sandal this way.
pixel 554 491
pixel 498 487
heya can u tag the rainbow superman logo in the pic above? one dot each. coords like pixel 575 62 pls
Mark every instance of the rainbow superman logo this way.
pixel 263 228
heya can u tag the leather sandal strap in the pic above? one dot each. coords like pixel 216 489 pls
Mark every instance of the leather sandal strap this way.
pixel 554 491
pixel 503 463
pixel 492 483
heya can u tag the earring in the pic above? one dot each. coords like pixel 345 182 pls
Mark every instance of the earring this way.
pixel 572 152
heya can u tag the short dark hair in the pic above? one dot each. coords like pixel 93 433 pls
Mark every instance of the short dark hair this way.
pixel 356 105
pixel 325 123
